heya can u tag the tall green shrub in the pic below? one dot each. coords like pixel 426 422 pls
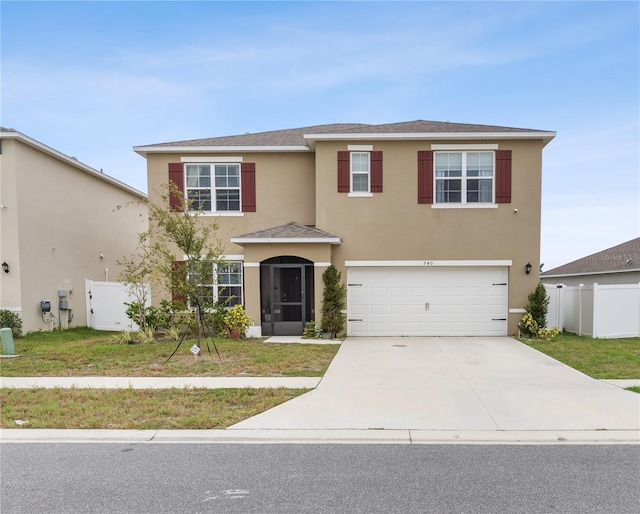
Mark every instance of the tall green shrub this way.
pixel 333 301
pixel 538 305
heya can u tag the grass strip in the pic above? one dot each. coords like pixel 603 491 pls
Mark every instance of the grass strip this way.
pixel 598 358
pixel 141 409
pixel 87 352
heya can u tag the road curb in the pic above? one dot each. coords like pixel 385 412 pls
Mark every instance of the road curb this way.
pixel 234 436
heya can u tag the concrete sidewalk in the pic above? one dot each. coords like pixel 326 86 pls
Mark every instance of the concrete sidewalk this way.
pixel 160 382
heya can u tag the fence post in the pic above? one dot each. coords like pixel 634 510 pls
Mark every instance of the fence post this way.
pixel 560 290
pixel 580 286
pixel 595 310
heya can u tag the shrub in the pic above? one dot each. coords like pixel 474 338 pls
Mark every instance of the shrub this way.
pixel 531 328
pixel 236 322
pixel 333 301
pixel 311 330
pixel 538 305
pixel 11 320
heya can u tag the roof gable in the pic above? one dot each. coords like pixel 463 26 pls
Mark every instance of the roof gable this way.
pixel 623 257
pixel 6 133
pixel 304 138
pixel 288 233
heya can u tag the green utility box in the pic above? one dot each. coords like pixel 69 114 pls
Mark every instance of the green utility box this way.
pixel 7 341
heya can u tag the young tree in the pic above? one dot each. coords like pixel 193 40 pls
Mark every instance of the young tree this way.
pixel 333 301
pixel 177 254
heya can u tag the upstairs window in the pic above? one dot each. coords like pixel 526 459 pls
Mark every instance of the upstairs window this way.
pixel 464 177
pixel 214 187
pixel 360 167
pixel 359 171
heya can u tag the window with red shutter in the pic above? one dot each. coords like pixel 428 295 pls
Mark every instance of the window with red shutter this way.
pixel 503 176
pixel 376 172
pixel 360 172
pixel 176 186
pixel 344 167
pixel 425 177
pixel 248 181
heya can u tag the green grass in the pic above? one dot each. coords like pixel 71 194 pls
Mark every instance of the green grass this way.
pixel 635 389
pixel 136 409
pixel 598 358
pixel 87 352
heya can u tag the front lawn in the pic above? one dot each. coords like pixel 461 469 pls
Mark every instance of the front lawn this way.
pixel 598 358
pixel 87 352
pixel 136 409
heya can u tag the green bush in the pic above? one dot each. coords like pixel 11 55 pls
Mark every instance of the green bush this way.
pixel 11 320
pixel 538 305
pixel 333 301
pixel 237 322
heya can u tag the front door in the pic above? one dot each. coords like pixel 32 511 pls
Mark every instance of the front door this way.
pixel 286 295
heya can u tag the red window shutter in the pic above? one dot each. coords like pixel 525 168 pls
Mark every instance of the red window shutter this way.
pixel 248 178
pixel 344 167
pixel 425 177
pixel 179 275
pixel 376 172
pixel 503 176
pixel 176 177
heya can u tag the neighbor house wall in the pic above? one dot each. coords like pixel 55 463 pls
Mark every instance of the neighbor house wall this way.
pixel 66 219
pixel 627 277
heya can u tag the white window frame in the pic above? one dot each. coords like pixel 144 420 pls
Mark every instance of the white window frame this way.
pixel 464 178
pixel 367 173
pixel 216 272
pixel 212 189
pixel 216 286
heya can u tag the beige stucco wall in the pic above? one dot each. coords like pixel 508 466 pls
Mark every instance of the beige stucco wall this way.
pixel 393 226
pixel 59 219
pixel 284 192
pixel 302 187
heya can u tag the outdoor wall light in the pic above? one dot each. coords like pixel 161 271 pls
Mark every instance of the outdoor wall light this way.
pixel 527 268
pixel 5 267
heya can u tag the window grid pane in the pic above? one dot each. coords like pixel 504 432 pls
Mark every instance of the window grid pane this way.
pixel 476 172
pixel 360 172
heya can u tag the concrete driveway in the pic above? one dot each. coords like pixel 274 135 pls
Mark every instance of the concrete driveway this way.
pixel 485 384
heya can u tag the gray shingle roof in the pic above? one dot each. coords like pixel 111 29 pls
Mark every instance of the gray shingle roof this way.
pixel 612 259
pixel 294 136
pixel 291 230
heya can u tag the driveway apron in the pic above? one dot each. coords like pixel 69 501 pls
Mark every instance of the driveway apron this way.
pixel 466 383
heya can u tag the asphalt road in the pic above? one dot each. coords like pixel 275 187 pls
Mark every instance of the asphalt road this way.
pixel 289 478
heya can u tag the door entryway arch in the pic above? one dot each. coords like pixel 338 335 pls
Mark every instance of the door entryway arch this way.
pixel 286 295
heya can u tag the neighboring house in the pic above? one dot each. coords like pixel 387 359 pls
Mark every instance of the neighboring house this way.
pixel 59 227
pixel 617 265
pixel 431 224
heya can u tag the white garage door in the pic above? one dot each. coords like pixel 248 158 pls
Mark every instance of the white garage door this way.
pixel 439 301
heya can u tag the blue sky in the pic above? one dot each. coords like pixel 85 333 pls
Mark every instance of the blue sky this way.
pixel 94 79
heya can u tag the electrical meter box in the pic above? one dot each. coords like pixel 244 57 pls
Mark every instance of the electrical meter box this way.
pixel 45 305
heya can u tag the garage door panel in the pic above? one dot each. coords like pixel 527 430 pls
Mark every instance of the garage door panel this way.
pixel 427 301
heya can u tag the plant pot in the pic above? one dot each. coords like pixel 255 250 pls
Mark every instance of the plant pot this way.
pixel 235 333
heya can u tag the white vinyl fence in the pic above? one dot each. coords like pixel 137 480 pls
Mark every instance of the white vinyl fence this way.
pixel 106 309
pixel 606 311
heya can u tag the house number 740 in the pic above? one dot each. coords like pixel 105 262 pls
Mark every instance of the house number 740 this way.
pixel 428 263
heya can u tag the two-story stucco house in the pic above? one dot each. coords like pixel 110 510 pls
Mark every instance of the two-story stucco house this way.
pixel 60 226
pixel 431 224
